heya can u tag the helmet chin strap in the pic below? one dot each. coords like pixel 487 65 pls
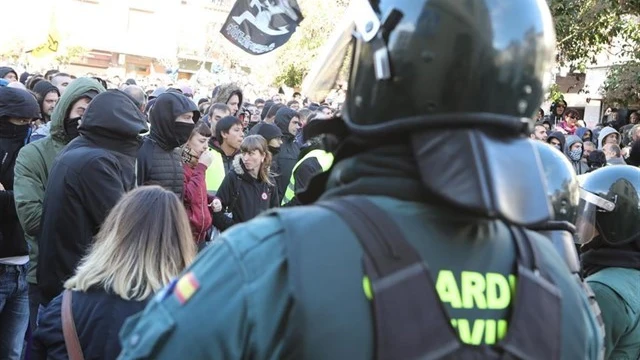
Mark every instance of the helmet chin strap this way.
pixel 491 175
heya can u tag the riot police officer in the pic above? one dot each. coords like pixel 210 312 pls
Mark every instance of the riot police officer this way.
pixel 609 228
pixel 563 192
pixel 417 246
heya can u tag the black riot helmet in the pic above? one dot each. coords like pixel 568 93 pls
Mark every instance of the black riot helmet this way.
pixel 563 193
pixel 446 77
pixel 563 188
pixel 610 206
pixel 433 63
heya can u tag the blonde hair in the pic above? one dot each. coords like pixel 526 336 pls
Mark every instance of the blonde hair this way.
pixel 257 142
pixel 144 243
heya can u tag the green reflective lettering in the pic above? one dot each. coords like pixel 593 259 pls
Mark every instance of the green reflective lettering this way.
pixel 366 286
pixel 502 329
pixel 490 332
pixel 448 289
pixel 512 284
pixel 473 287
pixel 468 335
pixel 498 291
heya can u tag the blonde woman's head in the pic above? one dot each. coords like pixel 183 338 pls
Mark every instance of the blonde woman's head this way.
pixel 144 243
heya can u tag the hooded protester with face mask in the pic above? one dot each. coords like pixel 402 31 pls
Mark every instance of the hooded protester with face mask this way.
pixel 86 180
pixel 585 134
pixel 557 140
pixel 288 121
pixel 573 150
pixel 34 163
pixel 17 109
pixel 172 117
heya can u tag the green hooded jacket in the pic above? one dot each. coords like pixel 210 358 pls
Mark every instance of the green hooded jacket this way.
pixel 34 163
pixel 225 92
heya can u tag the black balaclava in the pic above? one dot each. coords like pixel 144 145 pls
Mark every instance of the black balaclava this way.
pixel 16 103
pixel 71 124
pixel 165 131
pixel 12 131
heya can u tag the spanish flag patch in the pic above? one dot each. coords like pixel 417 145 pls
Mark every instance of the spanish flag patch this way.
pixel 186 287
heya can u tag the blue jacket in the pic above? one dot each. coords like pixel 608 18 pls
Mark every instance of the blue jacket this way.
pixel 98 317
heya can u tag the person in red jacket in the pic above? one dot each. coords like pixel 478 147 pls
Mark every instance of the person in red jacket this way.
pixel 196 158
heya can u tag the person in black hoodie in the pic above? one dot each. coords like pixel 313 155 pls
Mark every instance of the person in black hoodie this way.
pixel 17 109
pixel 173 117
pixel 87 179
pixel 557 140
pixel 248 189
pixel 288 121
pixel 8 74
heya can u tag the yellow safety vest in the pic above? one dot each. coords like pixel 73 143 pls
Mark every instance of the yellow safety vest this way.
pixel 324 158
pixel 215 172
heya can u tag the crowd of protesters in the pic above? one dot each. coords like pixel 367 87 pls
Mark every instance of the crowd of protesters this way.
pixel 107 193
pixel 615 140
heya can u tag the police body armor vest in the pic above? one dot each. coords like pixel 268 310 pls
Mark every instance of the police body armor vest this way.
pixel 215 173
pixel 410 321
pixel 325 159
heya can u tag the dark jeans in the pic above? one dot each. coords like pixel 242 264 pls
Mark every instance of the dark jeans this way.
pixel 35 299
pixel 14 310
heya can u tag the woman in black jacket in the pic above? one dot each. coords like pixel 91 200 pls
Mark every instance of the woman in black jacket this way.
pixel 248 189
pixel 17 109
pixel 143 244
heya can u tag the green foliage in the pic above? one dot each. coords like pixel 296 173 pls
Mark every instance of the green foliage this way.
pixel 555 94
pixel 11 51
pixel 622 86
pixel 586 28
pixel 291 76
pixel 296 57
pixel 67 55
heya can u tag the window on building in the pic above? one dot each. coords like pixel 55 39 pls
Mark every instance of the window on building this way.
pixel 139 22
pixel 143 5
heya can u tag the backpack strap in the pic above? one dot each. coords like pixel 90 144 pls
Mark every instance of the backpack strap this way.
pixel 411 322
pixel 71 341
pixel 536 322
pixel 407 310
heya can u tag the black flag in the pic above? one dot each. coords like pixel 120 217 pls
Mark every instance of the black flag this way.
pixel 261 26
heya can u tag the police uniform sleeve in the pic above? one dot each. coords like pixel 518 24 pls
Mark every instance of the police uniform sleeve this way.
pixel 305 171
pixel 614 315
pixel 231 303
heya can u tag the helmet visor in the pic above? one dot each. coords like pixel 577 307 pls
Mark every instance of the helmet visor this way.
pixel 590 205
pixel 329 75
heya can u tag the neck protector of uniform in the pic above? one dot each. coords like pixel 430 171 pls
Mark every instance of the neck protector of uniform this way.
pixel 386 170
pixel 489 174
pixel 596 259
